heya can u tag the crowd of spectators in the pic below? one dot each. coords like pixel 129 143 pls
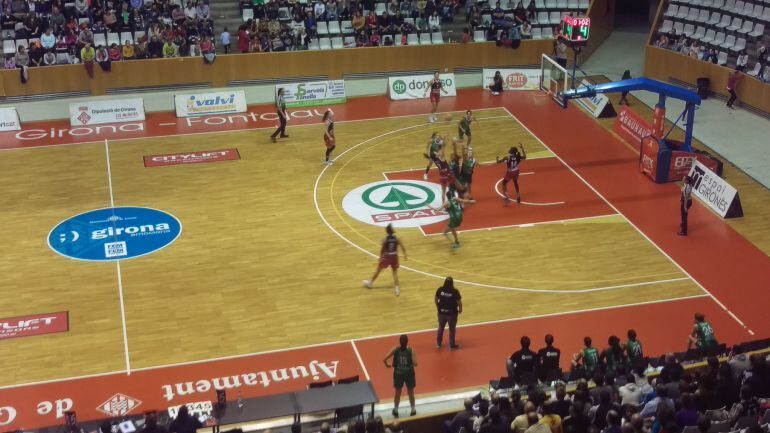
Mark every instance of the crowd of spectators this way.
pixel 693 48
pixel 614 395
pixel 64 33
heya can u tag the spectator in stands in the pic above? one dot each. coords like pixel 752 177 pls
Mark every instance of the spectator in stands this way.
pixel 704 424
pixel 577 421
pixel 22 57
pixel 630 393
pixel 371 21
pixel 526 30
pixel 48 40
pixel 178 15
pixel 672 370
pixel 110 20
pixel 475 17
pixel 35 54
pixel 319 9
pixel 531 12
pixel 434 22
pixel 662 41
pixel 498 15
pixel 202 11
pixel 103 58
pixel 128 50
pixel 733 80
pixel 522 361
pixel 713 56
pixel 114 53
pixel 612 421
pixel 742 62
pixel 561 404
pixel 602 408
pixel 243 39
pixel 688 414
pixel 694 49
pixel 208 50
pixel 463 420
pixel 534 424
pixel 560 52
pixel 521 422
pixel 661 399
pixel 332 10
pixel 185 423
pixel 155 48
pixel 762 60
pixel 49 58
pixel 519 14
pixel 494 422
pixel 665 420
pixel 141 50
pixel 10 62
pixel 551 418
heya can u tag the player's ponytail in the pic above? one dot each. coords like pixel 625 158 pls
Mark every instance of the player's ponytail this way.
pixel 327 114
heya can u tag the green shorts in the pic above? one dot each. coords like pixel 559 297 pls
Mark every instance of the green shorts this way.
pixel 401 379
pixel 455 222
pixel 463 132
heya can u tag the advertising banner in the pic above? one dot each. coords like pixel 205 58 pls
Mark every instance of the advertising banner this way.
pixel 34 324
pixel 415 86
pixel 201 104
pixel 681 163
pixel 631 126
pixel 9 119
pixel 714 191
pixel 191 157
pixel 513 79
pixel 313 93
pixel 593 104
pixel 107 111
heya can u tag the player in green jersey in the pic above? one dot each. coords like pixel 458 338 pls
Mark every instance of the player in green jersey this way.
pixel 404 362
pixel 588 358
pixel 435 145
pixel 464 127
pixel 466 172
pixel 453 205
pixel 702 335
pixel 634 349
pixel 613 357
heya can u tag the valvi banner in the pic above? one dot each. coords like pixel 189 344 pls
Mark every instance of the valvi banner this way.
pixel 202 104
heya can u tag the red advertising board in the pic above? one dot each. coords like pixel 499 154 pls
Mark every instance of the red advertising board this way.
pixel 681 162
pixel 191 157
pixel 631 126
pixel 648 159
pixel 33 324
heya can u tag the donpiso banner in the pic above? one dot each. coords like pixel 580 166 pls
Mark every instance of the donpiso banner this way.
pixel 414 86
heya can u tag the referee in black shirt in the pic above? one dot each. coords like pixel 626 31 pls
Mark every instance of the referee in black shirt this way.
pixel 685 201
pixel 280 109
pixel 449 304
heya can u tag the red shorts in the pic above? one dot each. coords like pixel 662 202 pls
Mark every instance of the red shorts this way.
pixel 511 175
pixel 329 141
pixel 435 97
pixel 445 179
pixel 389 260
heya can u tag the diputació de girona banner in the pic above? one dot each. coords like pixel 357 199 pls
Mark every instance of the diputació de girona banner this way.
pixel 203 104
pixel 513 78
pixel 9 119
pixel 313 93
pixel 106 111
pixel 415 86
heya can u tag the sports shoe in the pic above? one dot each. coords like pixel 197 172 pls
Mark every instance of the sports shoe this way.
pixel 456 245
pixel 272 139
pixel 367 284
pixel 682 234
pixel 425 176
pixel 438 345
pixel 518 199
pixel 455 347
pixel 285 136
pixel 395 413
pixel 413 412
pixel 329 162
pixel 398 291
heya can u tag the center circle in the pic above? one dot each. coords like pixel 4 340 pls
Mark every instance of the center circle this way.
pixel 114 233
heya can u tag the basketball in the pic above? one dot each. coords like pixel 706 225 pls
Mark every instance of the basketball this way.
pixel 447 117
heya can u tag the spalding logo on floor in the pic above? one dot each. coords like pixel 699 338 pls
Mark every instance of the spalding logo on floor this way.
pixel 408 203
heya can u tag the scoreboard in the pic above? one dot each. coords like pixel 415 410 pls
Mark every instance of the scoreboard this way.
pixel 575 29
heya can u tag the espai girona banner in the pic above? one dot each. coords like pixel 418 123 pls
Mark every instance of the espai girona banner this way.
pixel 631 126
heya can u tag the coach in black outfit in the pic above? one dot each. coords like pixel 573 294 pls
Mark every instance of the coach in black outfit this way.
pixel 280 109
pixel 522 361
pixel 449 304
pixel 548 358
pixel 685 201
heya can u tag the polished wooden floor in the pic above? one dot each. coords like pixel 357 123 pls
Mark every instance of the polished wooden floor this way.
pixel 256 268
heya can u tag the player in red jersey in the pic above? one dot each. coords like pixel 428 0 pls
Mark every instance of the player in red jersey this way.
pixel 446 177
pixel 388 258
pixel 512 162
pixel 435 87
pixel 331 142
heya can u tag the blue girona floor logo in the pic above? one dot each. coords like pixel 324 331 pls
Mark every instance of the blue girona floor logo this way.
pixel 114 233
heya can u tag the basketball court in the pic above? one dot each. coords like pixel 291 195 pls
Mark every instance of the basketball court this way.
pixel 248 276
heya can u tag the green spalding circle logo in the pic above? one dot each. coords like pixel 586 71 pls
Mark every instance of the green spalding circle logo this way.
pixel 403 203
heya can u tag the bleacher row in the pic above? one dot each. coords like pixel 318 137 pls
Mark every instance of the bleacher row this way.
pixel 549 14
pixel 100 39
pixel 729 26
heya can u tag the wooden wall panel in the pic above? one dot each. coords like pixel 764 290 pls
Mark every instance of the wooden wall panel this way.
pixel 662 64
pixel 334 64
pixel 602 14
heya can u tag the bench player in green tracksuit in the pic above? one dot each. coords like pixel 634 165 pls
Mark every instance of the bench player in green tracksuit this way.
pixel 634 350
pixel 464 127
pixel 702 335
pixel 404 362
pixel 589 357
